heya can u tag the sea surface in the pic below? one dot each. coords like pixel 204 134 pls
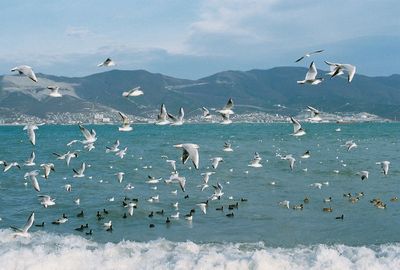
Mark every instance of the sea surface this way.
pixel 261 235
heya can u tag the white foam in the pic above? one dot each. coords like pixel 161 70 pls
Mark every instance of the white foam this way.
pixel 50 251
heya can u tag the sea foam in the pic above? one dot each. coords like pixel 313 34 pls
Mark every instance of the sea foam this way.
pixel 49 251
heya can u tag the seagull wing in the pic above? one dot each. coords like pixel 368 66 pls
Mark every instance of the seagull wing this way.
pixel 312 72
pixel 29 223
pixel 296 124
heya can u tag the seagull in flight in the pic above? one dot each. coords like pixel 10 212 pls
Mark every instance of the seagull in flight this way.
pixel 27 71
pixel 90 136
pixel 177 121
pixel 126 123
pixel 107 63
pixel 190 150
pixel 297 129
pixel 113 148
pixel 162 116
pixel 311 76
pixel 135 92
pixel 54 91
pixel 216 161
pixel 227 109
pixel 24 230
pixel 385 166
pixel 31 160
pixel 314 114
pixel 308 55
pixel 339 68
pixel 206 113
pixel 32 176
pixel 31 133
pixel 80 172
pixel 46 200
pixel 291 160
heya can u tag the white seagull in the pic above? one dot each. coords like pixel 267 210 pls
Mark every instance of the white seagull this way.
pixel 177 121
pixel 162 116
pixel 385 166
pixel 311 76
pixel 80 172
pixel 107 63
pixel 24 230
pixel 47 168
pixel 90 136
pixel 314 114
pixel 338 69
pixel 216 161
pixel 363 174
pixel 206 113
pixel 54 91
pixel 173 164
pixel 32 176
pixel 27 71
pixel 135 92
pixel 225 119
pixel 227 109
pixel 297 129
pixel 31 160
pixel 122 153
pixel 190 150
pixel 308 55
pixel 291 160
pixel 126 123
pixel 113 148
pixel 46 200
pixel 227 147
pixel 31 133
pixel 120 176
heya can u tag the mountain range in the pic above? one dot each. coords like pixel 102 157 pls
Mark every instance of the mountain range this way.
pixel 271 91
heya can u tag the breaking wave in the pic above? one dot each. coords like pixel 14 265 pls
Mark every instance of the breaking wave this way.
pixel 50 251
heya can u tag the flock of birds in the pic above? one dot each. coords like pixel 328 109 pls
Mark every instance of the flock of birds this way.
pixel 190 151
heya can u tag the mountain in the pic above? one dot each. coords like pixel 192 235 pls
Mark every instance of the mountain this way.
pixel 254 90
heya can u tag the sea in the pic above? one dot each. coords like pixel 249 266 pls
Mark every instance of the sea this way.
pixel 261 234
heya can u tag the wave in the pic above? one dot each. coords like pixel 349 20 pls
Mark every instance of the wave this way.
pixel 50 251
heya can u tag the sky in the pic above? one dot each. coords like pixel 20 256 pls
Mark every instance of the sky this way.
pixel 193 39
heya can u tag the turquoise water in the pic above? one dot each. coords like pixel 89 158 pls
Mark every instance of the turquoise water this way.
pixel 259 222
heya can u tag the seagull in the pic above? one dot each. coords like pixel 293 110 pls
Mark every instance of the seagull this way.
pixel 162 116
pixel 225 119
pixel 54 91
pixel 8 166
pixel 30 161
pixel 206 176
pixel 314 114
pixel 175 216
pixel 297 129
pixel 206 113
pixel 306 154
pixel 31 133
pixel 227 147
pixel 107 224
pixel 332 68
pixel 363 174
pixel 60 220
pixel 173 164
pixel 67 156
pixel 338 68
pixel 311 76
pixel 191 151
pixel 24 231
pixel 291 160
pixel 47 167
pixel 68 187
pixel 122 153
pixel 177 121
pixel 255 163
pixel 285 203
pixel 80 172
pixel 135 92
pixel 114 148
pixel 32 176
pixel 350 145
pixel 308 55
pixel 316 185
pixel 153 180
pixel 126 123
pixel 385 166
pixel 46 200
pixel 107 63
pixel 120 176
pixel 203 207
pixel 90 136
pixel 27 71
pixel 227 109
pixel 216 161
pixel 217 192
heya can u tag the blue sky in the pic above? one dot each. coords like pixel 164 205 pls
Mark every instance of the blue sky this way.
pixel 192 39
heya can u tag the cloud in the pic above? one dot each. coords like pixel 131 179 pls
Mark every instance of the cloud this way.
pixel 79 32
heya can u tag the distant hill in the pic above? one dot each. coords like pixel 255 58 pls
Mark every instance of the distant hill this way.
pixel 254 90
